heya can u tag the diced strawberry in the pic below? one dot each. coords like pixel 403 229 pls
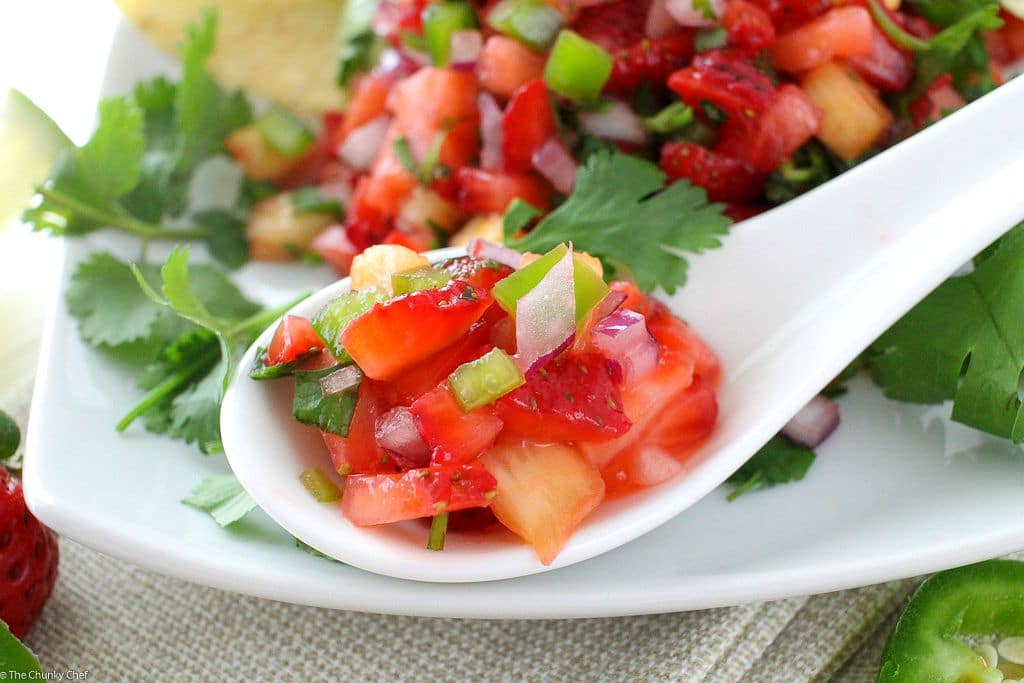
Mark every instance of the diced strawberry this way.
pixel 635 299
pixel 396 335
pixel 613 25
pixel 724 178
pixel 887 67
pixel 415 381
pixel 681 425
pixel 431 102
pixel 649 60
pixel 483 191
pixel 388 184
pixel 749 26
pixel 423 492
pixel 787 14
pixel 841 32
pixel 528 122
pixel 482 274
pixel 358 453
pixel 1013 36
pixel 472 519
pixel 417 239
pixel 571 398
pixel 293 339
pixel 673 334
pixel 741 212
pixel 544 492
pixel 643 403
pixel 505 64
pixel 395 17
pixel 458 437
pixel 369 101
pixel 784 127
pixel 727 81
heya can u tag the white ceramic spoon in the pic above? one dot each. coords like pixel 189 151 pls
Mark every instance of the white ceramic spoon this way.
pixel 793 296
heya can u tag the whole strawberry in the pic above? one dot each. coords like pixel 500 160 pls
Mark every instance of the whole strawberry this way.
pixel 28 559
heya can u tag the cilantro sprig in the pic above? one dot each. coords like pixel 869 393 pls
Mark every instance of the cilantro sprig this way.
pixel 780 461
pixel 621 211
pixel 975 361
pixel 133 174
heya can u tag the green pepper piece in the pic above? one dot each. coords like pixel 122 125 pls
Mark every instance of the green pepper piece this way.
pixel 485 379
pixel 588 285
pixel 531 22
pixel 977 600
pixel 320 485
pixel 333 318
pixel 577 68
pixel 418 280
pixel 440 21
pixel 509 290
pixel 285 133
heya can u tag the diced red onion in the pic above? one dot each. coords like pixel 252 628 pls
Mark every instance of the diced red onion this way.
pixel 491 133
pixel 338 189
pixel 466 47
pixel 606 306
pixel 616 122
pixel 396 432
pixel 684 12
pixel 481 248
pixel 622 338
pixel 814 423
pixel 417 57
pixel 659 22
pixel 553 161
pixel 340 380
pixel 362 145
pixel 546 317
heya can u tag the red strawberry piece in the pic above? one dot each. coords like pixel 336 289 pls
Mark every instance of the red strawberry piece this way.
pixel 572 398
pixel 748 25
pixel 527 124
pixel 613 25
pixel 650 60
pixel 28 559
pixel 724 178
pixel 727 80
pixel 788 14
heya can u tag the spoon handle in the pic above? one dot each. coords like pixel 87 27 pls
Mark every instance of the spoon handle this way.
pixel 807 286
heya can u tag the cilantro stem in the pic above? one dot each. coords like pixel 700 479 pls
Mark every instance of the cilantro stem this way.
pixel 261 320
pixel 438 530
pixel 168 387
pixel 118 221
pixel 749 485
pixel 894 31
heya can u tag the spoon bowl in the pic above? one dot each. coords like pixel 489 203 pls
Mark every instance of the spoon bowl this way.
pixel 791 299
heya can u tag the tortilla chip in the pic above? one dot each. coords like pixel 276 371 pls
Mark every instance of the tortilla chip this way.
pixel 285 50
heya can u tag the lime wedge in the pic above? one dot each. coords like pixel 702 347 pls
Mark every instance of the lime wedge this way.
pixel 29 144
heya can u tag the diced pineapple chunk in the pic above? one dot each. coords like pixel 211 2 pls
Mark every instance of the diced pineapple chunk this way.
pixel 259 161
pixel 426 209
pixel 855 117
pixel 276 233
pixel 375 266
pixel 486 227
pixel 544 492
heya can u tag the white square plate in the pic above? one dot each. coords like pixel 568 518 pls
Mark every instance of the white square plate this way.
pixel 897 491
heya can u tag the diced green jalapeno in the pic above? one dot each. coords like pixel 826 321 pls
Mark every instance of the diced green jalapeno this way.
pixel 485 379
pixel 577 68
pixel 333 318
pixel 671 119
pixel 532 22
pixel 588 285
pixel 440 21
pixel 949 618
pixel 418 280
pixel 260 370
pixel 284 132
pixel 320 485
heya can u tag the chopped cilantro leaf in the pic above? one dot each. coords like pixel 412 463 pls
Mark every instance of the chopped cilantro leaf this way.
pixel 621 211
pixel 964 343
pixel 779 461
pixel 356 40
pixel 518 215
pixel 223 497
pixel 329 413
